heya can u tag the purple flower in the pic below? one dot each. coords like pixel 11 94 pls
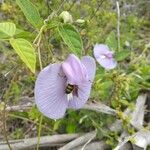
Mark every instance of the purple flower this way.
pixel 64 85
pixel 104 56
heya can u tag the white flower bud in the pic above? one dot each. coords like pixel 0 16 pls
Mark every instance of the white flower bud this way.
pixel 80 21
pixel 67 18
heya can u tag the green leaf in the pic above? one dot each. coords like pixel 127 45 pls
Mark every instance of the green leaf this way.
pixel 71 128
pixel 24 34
pixel 119 56
pixel 3 35
pixel 111 41
pixel 124 102
pixel 31 12
pixel 56 125
pixel 7 29
pixel 71 37
pixel 26 52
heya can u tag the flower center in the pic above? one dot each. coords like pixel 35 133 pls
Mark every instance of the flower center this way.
pixel 71 89
pixel 108 55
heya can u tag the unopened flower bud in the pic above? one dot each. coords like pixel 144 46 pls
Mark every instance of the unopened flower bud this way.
pixel 80 21
pixel 66 17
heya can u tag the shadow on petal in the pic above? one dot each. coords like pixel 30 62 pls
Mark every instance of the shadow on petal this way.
pixel 83 95
pixel 90 66
pixel 84 88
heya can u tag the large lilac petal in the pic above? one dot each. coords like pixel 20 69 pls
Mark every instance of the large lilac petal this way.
pixel 84 88
pixel 107 63
pixel 50 92
pixel 90 65
pixel 74 70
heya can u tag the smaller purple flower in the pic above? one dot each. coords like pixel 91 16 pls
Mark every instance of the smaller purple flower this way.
pixel 64 85
pixel 104 56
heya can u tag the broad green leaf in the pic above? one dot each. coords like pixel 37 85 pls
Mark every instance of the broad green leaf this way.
pixel 26 52
pixel 71 37
pixel 31 12
pixel 24 34
pixel 7 29
pixel 111 41
pixel 119 56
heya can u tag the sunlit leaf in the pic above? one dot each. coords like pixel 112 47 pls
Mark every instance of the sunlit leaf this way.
pixel 31 12
pixel 71 37
pixel 119 56
pixel 26 52
pixel 52 24
pixel 111 41
pixel 7 29
pixel 71 128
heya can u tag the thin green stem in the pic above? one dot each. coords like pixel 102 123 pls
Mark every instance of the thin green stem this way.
pixel 39 132
pixel 37 43
pixel 5 128
pixel 39 52
pixel 28 120
pixel 118 24
pixel 39 34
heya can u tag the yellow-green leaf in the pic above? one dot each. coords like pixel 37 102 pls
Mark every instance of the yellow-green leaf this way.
pixel 26 52
pixel 7 29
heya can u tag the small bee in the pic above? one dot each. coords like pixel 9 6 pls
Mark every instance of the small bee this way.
pixel 71 89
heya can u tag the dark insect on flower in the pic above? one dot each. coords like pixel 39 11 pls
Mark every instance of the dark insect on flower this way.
pixel 65 85
pixel 69 89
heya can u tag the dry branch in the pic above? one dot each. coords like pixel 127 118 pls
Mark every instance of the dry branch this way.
pixel 97 106
pixel 100 107
pixel 20 108
pixel 99 145
pixel 79 141
pixel 138 113
pixel 50 141
pixel 142 138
